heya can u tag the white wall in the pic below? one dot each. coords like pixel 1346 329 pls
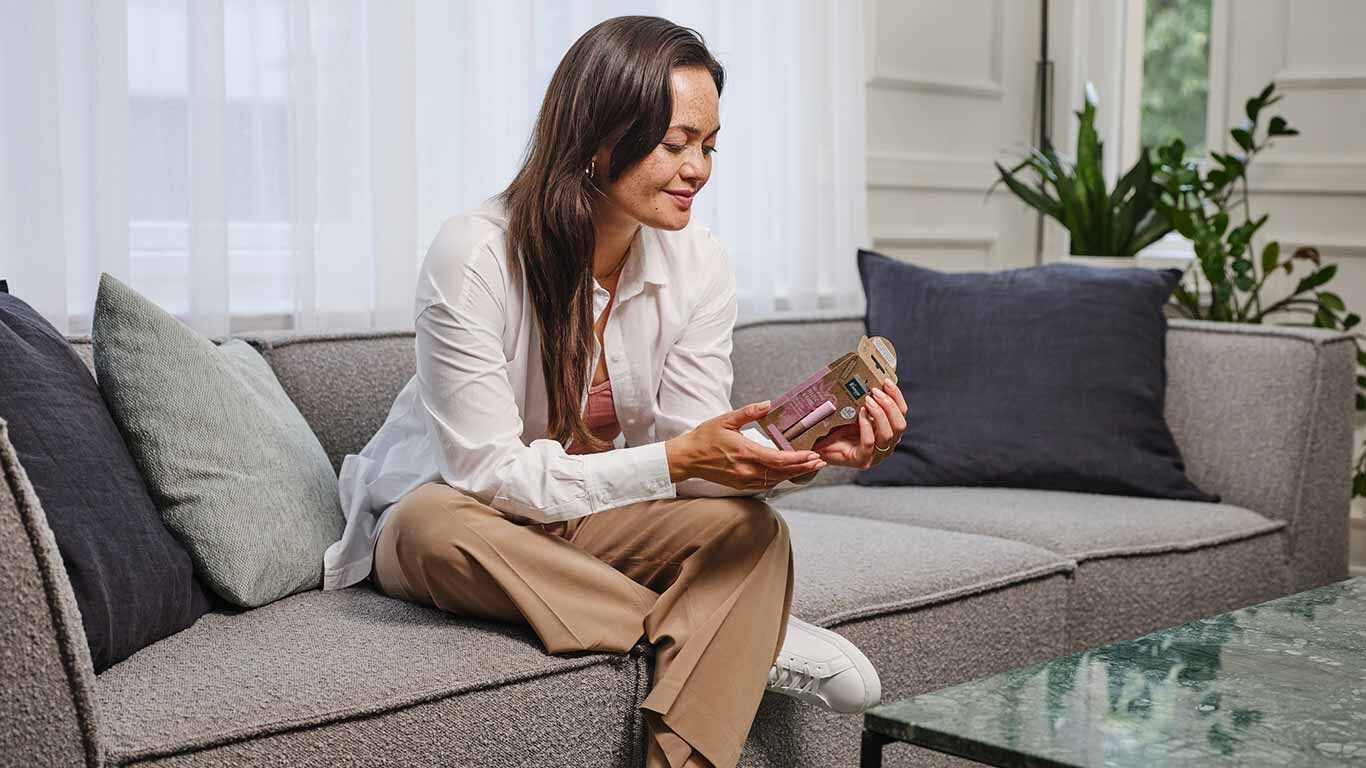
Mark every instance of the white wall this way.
pixel 950 88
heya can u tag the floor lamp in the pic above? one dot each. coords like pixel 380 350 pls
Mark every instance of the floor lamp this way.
pixel 1043 125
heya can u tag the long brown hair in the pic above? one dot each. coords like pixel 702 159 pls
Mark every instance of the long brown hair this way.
pixel 612 88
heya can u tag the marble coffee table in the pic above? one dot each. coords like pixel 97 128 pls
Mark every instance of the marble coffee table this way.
pixel 1276 684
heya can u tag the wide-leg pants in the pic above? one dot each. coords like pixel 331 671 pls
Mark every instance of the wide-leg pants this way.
pixel 707 581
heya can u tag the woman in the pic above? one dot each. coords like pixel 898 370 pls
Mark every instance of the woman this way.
pixel 565 455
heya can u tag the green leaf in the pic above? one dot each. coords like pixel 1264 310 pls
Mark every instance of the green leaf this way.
pixel 1332 301
pixel 1186 298
pixel 1270 255
pixel 1351 322
pixel 1361 381
pixel 1361 402
pixel 1266 92
pixel 1038 200
pixel 1244 282
pixel 1243 138
pixel 1277 126
pixel 1324 319
pixel 1220 222
pixel 1254 106
pixel 1241 265
pixel 1319 277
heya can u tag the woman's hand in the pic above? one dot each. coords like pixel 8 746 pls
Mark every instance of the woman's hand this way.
pixel 715 450
pixel 881 422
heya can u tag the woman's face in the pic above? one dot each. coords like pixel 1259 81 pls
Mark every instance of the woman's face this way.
pixel 658 191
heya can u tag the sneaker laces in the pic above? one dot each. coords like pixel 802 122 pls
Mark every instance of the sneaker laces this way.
pixel 786 676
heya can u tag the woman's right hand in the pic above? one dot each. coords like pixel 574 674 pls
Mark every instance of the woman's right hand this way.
pixel 715 450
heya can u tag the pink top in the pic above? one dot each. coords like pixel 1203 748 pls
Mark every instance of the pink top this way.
pixel 600 414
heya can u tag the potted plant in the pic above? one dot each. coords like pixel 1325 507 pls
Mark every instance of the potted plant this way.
pixel 1105 227
pixel 1228 274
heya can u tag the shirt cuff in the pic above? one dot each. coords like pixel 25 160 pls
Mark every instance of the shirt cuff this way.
pixel 627 475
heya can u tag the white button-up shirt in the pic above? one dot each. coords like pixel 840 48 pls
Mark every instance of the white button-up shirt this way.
pixel 475 414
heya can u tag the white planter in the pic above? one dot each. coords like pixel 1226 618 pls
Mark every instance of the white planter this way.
pixel 1101 261
pixel 1143 260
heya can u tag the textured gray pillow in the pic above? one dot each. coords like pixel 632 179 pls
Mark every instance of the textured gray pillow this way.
pixel 233 467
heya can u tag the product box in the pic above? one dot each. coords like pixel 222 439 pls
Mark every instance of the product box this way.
pixel 830 397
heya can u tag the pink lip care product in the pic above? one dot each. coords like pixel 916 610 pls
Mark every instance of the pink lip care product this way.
pixel 811 419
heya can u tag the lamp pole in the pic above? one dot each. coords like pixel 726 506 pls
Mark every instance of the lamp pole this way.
pixel 1043 85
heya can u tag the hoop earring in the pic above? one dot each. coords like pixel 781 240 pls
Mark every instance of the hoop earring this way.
pixel 592 168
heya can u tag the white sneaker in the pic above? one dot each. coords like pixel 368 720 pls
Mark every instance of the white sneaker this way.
pixel 823 668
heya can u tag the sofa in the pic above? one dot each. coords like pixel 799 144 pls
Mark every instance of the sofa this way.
pixel 937 585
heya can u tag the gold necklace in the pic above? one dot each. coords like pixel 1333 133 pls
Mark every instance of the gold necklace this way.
pixel 617 268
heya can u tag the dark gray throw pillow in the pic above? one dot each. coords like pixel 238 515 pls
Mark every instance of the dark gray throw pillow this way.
pixel 1050 377
pixel 133 581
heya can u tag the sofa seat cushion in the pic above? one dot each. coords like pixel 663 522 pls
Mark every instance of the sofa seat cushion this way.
pixel 347 677
pixel 1143 563
pixel 1080 526
pixel 848 570
pixel 930 608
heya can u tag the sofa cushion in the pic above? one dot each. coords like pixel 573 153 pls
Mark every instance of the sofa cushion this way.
pixel 847 569
pixel 1042 377
pixel 235 471
pixel 348 677
pixel 321 677
pixel 1142 563
pixel 930 608
pixel 342 383
pixel 134 582
pixel 1080 526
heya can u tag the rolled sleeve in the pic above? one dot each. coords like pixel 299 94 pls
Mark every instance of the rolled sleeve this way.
pixel 468 397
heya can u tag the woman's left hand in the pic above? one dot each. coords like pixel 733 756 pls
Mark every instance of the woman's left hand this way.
pixel 881 422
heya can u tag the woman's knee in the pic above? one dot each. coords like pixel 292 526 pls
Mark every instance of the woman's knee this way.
pixel 751 518
pixel 429 524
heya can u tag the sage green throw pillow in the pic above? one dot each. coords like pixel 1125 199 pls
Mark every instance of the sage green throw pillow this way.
pixel 236 472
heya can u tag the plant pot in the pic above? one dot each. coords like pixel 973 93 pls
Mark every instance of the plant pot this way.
pixel 1143 260
pixel 1102 261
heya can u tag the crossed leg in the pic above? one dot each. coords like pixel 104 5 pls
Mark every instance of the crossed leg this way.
pixel 708 581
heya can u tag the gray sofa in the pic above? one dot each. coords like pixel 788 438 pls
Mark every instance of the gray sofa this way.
pixel 936 585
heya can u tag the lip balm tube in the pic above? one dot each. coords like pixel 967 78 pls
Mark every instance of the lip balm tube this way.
pixel 824 409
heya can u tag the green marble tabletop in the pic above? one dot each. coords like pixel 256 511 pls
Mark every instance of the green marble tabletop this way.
pixel 1281 683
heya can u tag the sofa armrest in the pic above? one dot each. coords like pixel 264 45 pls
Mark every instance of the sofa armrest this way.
pixel 48 711
pixel 1263 416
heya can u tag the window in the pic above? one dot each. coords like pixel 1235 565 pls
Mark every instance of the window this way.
pixel 1172 40
pixel 255 143
pixel 1175 73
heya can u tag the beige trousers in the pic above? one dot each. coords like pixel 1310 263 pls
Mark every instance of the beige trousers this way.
pixel 707 581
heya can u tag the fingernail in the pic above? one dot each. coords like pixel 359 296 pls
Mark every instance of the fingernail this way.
pixel 765 403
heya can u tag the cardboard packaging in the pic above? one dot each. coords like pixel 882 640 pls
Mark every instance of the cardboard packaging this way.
pixel 830 397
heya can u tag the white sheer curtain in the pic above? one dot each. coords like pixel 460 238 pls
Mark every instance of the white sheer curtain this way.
pixel 285 163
